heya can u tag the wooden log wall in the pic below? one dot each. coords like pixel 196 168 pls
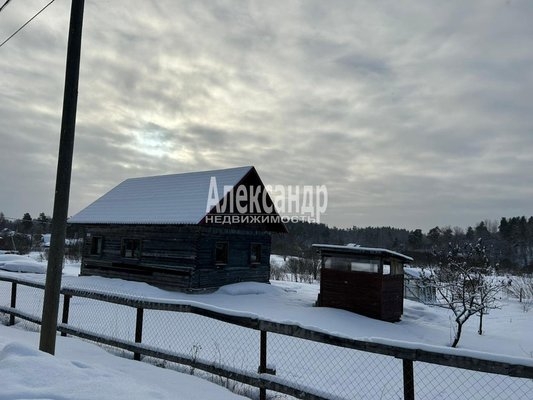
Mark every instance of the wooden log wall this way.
pixel 177 256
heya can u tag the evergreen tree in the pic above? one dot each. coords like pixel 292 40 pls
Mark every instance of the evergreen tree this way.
pixel 504 229
pixel 43 223
pixel 469 234
pixel 26 223
pixel 434 236
pixel 481 231
pixel 416 239
pixel 447 235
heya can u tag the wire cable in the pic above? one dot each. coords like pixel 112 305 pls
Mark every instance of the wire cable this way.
pixel 5 4
pixel 26 23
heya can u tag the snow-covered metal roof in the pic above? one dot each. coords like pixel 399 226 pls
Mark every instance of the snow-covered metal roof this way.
pixel 355 249
pixel 165 199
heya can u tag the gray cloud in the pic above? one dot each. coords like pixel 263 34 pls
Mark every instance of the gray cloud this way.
pixel 413 114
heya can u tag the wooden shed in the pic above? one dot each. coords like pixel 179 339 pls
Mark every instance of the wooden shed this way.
pixel 168 231
pixel 365 280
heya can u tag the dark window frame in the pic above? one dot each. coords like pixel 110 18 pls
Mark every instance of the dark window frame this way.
pixel 255 248
pixel 132 252
pixel 97 245
pixel 221 253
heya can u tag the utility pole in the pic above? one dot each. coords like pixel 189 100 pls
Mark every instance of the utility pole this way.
pixel 64 169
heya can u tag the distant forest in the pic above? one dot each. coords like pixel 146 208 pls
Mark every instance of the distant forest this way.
pixel 24 234
pixel 509 243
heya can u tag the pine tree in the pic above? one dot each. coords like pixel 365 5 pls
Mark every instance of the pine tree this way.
pixel 26 223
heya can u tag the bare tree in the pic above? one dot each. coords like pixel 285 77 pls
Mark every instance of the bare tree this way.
pixel 464 284
pixel 522 288
pixel 303 268
pixel 489 289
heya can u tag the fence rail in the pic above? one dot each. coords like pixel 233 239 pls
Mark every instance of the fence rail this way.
pixel 143 324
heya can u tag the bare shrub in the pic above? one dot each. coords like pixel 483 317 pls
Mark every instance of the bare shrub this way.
pixel 522 288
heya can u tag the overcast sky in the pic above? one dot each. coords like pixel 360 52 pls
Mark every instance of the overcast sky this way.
pixel 413 114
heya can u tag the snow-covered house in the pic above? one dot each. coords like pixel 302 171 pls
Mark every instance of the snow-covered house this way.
pixel 365 280
pixel 187 231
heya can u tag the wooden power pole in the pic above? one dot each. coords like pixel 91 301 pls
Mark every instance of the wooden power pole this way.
pixel 64 169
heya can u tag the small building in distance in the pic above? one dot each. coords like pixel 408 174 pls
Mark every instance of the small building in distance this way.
pixel 365 280
pixel 416 288
pixel 188 231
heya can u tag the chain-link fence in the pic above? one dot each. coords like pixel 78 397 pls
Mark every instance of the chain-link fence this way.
pixel 337 371
pixel 27 297
pixel 442 382
pixel 264 359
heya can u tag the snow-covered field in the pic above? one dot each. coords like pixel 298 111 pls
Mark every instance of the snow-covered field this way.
pixel 507 336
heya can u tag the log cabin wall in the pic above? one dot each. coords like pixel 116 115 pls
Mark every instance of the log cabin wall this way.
pixel 175 256
pixel 239 266
pixel 165 255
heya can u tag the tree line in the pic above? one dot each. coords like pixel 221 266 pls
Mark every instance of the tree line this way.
pixel 25 233
pixel 509 242
pixel 26 224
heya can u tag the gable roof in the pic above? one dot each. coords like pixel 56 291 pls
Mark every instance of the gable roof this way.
pixel 165 199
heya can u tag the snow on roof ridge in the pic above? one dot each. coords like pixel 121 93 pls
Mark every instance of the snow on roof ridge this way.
pixel 244 167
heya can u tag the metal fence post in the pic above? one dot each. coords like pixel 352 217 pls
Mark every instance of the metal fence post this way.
pixel 138 331
pixel 66 307
pixel 408 380
pixel 13 302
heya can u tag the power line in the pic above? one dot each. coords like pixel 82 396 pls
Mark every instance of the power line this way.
pixel 27 22
pixel 5 4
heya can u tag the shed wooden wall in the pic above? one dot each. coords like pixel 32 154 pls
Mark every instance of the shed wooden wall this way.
pixel 392 297
pixel 352 291
pixel 375 295
pixel 370 294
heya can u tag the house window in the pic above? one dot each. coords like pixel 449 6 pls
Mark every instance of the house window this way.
pixel 255 253
pixel 96 245
pixel 221 253
pixel 130 248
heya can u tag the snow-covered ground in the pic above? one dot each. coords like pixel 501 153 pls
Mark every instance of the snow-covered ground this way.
pixel 84 371
pixel 507 332
pixel 17 263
